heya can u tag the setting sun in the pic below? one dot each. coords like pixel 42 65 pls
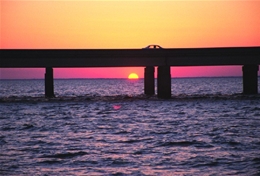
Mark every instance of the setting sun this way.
pixel 133 76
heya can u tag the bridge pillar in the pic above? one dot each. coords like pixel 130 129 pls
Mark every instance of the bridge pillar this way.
pixel 149 80
pixel 250 79
pixel 164 82
pixel 49 88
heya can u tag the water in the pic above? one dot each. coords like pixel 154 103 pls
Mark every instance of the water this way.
pixel 108 127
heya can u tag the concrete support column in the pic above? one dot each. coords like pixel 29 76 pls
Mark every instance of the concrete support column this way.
pixel 149 80
pixel 164 82
pixel 250 79
pixel 49 88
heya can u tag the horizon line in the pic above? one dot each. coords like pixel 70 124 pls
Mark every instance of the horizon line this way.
pixel 123 78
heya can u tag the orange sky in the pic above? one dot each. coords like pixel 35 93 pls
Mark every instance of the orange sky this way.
pixel 128 24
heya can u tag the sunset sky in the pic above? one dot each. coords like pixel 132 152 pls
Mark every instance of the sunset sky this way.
pixel 127 24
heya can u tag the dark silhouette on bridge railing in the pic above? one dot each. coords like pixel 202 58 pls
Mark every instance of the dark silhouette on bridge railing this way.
pixel 248 57
pixel 153 47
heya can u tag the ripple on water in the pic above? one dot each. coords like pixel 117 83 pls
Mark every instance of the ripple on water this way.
pixel 139 135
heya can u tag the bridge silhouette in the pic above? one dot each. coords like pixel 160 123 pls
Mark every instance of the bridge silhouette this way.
pixel 247 57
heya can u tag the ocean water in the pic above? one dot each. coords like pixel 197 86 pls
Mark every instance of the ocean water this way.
pixel 109 127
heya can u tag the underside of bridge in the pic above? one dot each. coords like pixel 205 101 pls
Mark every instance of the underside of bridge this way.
pixel 250 81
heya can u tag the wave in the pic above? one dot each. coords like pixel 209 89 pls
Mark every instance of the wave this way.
pixel 64 155
pixel 187 97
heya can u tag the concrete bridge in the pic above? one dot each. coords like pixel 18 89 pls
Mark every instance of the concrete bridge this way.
pixel 247 57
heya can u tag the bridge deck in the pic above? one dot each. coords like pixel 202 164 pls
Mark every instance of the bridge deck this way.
pixel 36 58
